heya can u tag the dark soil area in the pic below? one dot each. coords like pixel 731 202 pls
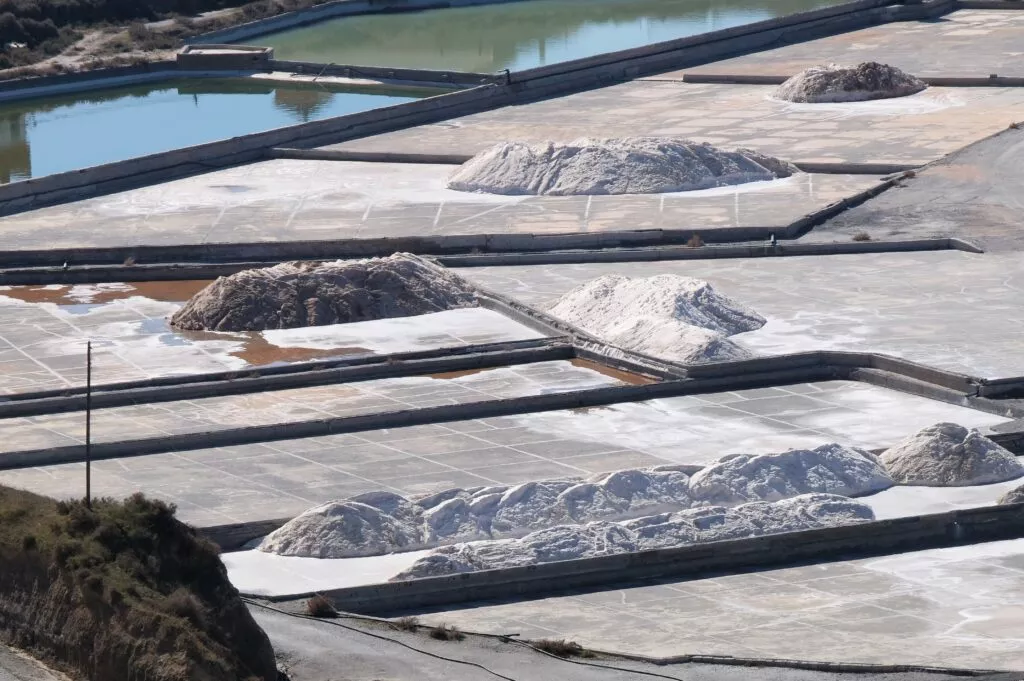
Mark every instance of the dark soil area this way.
pixel 121 591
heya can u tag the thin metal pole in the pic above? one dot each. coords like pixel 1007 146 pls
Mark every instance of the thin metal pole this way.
pixel 88 424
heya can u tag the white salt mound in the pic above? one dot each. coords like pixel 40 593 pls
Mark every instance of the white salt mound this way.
pixel 1014 496
pixel 830 469
pixel 296 294
pixel 949 455
pixel 692 526
pixel 667 316
pixel 629 165
pixel 381 522
pixel 834 83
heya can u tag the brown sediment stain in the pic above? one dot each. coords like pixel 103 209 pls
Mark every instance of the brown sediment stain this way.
pixel 257 350
pixel 447 375
pixel 164 291
pixel 626 377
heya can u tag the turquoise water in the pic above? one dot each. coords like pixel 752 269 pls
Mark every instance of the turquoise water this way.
pixel 55 134
pixel 517 35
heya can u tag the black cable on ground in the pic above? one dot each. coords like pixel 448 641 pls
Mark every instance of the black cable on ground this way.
pixel 506 639
pixel 380 637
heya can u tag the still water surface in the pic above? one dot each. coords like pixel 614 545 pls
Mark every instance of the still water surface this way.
pixel 517 35
pixel 55 134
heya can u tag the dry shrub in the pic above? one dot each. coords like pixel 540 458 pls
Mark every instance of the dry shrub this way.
pixel 561 648
pixel 862 236
pixel 695 241
pixel 406 624
pixel 446 632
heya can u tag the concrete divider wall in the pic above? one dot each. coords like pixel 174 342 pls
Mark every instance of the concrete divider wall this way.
pixel 46 266
pixel 328 10
pixel 246 384
pixel 27 88
pixel 27 194
pixel 754 373
pixel 837 543
pixel 382 73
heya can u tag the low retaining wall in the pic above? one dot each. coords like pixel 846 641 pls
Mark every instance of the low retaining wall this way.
pixel 883 537
pixel 177 272
pixel 86 81
pixel 719 377
pixel 245 384
pixel 988 80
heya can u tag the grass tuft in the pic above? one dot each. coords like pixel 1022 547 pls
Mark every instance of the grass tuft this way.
pixel 561 648
pixel 862 236
pixel 406 624
pixel 446 632
pixel 695 241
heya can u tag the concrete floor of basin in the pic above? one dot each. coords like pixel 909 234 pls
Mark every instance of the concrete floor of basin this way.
pixel 284 200
pixel 43 332
pixel 947 309
pixel 914 130
pixel 967 43
pixel 959 607
pixel 281 479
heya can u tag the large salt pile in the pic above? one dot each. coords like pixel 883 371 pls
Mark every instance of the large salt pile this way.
pixel 296 294
pixel 835 83
pixel 949 455
pixel 831 469
pixel 381 522
pixel 698 525
pixel 629 165
pixel 667 315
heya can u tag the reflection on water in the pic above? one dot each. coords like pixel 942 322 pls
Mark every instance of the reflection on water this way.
pixel 55 134
pixel 517 35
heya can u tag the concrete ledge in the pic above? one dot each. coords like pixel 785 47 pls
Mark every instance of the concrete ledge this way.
pixel 291 369
pixel 812 220
pixel 884 537
pixel 117 176
pixel 989 4
pixel 819 167
pixel 176 272
pixel 386 367
pixel 460 78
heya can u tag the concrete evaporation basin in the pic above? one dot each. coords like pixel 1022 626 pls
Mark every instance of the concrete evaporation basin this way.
pixel 56 134
pixel 516 35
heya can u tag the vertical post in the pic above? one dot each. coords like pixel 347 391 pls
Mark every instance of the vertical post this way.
pixel 88 424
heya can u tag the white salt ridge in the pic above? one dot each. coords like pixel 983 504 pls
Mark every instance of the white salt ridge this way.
pixel 667 316
pixel 831 469
pixel 629 165
pixel 381 522
pixel 949 455
pixel 692 526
